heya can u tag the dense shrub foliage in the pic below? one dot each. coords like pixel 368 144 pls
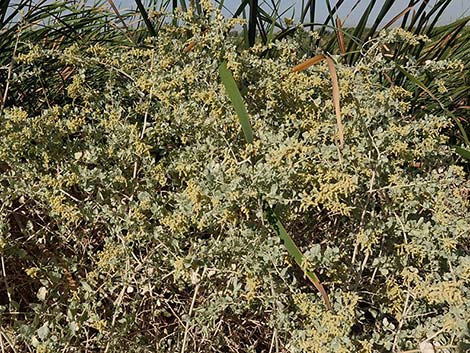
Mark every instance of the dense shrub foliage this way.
pixel 132 208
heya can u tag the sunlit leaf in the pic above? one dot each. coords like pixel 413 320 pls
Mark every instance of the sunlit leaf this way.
pixel 237 101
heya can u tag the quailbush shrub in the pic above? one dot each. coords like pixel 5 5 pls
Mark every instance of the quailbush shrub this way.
pixel 132 208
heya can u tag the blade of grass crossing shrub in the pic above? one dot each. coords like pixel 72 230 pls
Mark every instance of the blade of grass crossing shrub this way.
pixel 183 5
pixel 270 36
pixel 463 152
pixel 220 4
pixel 295 252
pixel 334 81
pixel 235 97
pixel 237 101
pixel 310 62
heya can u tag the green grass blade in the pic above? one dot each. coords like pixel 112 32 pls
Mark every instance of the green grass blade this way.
pixel 241 8
pixel 450 38
pixel 397 17
pixel 271 33
pixel 360 30
pixel 146 18
pixel 379 18
pixel 236 98
pixel 438 10
pixel 307 8
pixel 252 22
pixel 463 152
pixel 311 12
pixel 332 11
pixel 183 5
pixel 295 252
pixel 118 14
pixel 221 4
pixel 3 11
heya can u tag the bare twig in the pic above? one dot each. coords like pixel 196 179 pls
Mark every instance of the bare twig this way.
pixel 435 348
pixel 406 308
pixel 186 329
pixel 7 339
pixel 4 274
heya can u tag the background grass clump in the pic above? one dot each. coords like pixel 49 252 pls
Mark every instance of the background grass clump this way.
pixel 133 211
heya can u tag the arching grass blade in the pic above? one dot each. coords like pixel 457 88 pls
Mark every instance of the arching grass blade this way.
pixel 334 81
pixel 295 252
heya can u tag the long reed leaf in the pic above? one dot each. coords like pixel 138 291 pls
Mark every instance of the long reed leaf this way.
pixel 334 81
pixel 241 8
pixel 463 152
pixel 295 252
pixel 360 30
pixel 310 62
pixel 146 18
pixel 118 14
pixel 397 17
pixel 237 101
pixel 252 22
pixel 340 36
